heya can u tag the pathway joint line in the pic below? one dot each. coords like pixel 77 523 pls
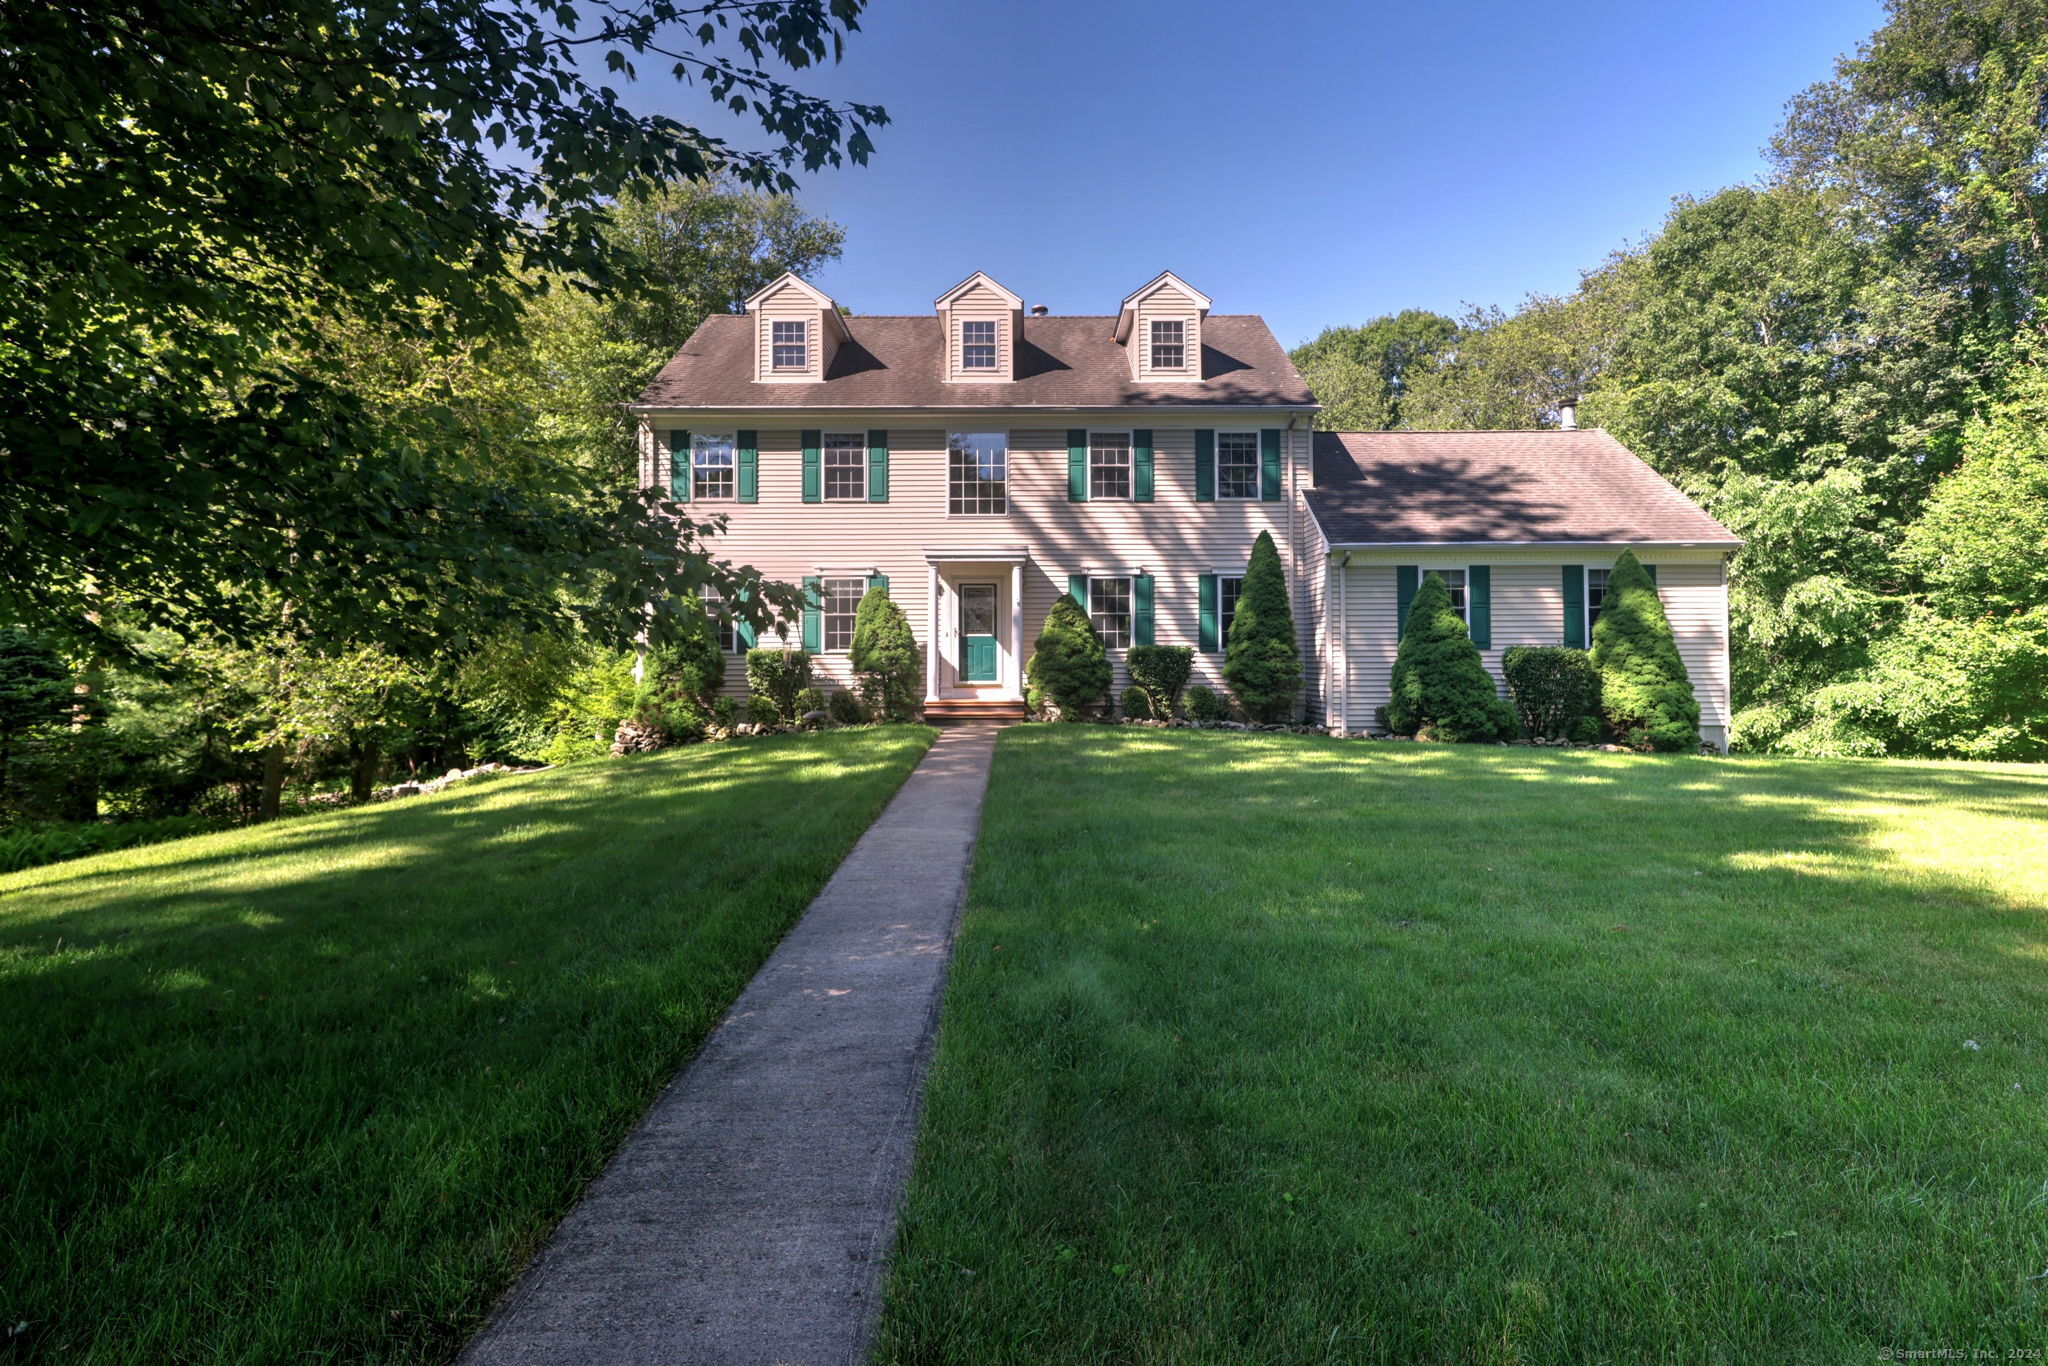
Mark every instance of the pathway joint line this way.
pixel 747 1220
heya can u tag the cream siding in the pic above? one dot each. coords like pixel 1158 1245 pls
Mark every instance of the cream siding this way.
pixel 791 304
pixel 979 303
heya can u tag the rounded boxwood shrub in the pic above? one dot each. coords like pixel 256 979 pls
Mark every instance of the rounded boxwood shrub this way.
pixel 1441 690
pixel 1134 704
pixel 1645 691
pixel 846 709
pixel 1159 672
pixel 1553 688
pixel 1261 661
pixel 774 678
pixel 886 659
pixel 1068 667
pixel 1206 704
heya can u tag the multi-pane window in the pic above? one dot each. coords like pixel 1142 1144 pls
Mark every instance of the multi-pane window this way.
pixel 1109 465
pixel 789 348
pixel 1169 344
pixel 1454 580
pixel 842 600
pixel 1237 464
pixel 977 473
pixel 728 632
pixel 846 466
pixel 1596 593
pixel 1109 607
pixel 977 346
pixel 711 465
pixel 1229 587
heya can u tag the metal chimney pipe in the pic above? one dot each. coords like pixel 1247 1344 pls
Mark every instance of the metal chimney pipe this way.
pixel 1568 415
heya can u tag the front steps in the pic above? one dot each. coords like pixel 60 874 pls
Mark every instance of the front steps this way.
pixel 953 710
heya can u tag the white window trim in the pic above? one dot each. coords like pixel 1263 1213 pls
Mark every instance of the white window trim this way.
pixel 1223 622
pixel 1424 571
pixel 1586 573
pixel 1151 345
pixel 1258 464
pixel 1008 451
pixel 825 494
pixel 803 343
pixel 732 440
pixel 994 344
pixel 1130 437
pixel 824 616
pixel 1130 581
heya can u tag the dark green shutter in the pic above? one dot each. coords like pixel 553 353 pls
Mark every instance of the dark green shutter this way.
pixel 1211 635
pixel 1575 606
pixel 1077 465
pixel 1479 603
pixel 1651 570
pixel 1269 465
pixel 1077 589
pixel 1205 465
pixel 742 630
pixel 679 466
pixel 1407 578
pixel 750 467
pixel 1141 609
pixel 1141 465
pixel 880 581
pixel 878 469
pixel 814 615
pixel 814 461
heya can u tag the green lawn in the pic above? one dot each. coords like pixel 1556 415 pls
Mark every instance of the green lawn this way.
pixel 314 1092
pixel 1266 1049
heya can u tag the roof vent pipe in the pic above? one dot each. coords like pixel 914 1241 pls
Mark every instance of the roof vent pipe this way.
pixel 1568 414
pixel 1039 310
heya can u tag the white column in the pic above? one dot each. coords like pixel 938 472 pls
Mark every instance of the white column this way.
pixel 1017 627
pixel 931 643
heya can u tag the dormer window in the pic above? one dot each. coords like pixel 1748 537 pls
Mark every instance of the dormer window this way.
pixel 978 345
pixel 791 350
pixel 1169 344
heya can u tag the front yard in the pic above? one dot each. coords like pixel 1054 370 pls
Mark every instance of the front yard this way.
pixel 314 1092
pixel 1279 1049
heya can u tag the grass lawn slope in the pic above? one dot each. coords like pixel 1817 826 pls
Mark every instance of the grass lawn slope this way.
pixel 1277 1049
pixel 313 1092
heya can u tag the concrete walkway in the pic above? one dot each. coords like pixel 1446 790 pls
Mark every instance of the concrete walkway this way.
pixel 749 1217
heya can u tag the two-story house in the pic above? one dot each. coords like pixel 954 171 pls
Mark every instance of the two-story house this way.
pixel 982 459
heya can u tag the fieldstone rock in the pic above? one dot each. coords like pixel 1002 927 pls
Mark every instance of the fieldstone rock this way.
pixel 406 790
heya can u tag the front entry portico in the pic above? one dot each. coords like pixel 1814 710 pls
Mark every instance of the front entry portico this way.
pixel 974 631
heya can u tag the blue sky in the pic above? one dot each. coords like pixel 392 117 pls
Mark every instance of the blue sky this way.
pixel 1317 163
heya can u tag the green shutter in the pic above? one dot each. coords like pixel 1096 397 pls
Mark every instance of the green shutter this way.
pixel 1141 609
pixel 814 472
pixel 878 469
pixel 1269 465
pixel 1651 570
pixel 1205 465
pixel 1479 603
pixel 1141 465
pixel 1211 634
pixel 750 467
pixel 679 466
pixel 1407 578
pixel 880 581
pixel 743 629
pixel 1077 589
pixel 1575 606
pixel 814 615
pixel 1077 465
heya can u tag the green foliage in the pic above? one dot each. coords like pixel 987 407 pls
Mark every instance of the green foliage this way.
pixel 1135 705
pixel 810 700
pixel 1160 672
pixel 35 688
pixel 1510 371
pixel 596 696
pixel 846 709
pixel 1206 704
pixel 32 846
pixel 886 659
pixel 1360 374
pixel 1440 687
pixel 1553 688
pixel 691 665
pixel 1645 691
pixel 726 711
pixel 1069 666
pixel 775 679
pixel 1262 660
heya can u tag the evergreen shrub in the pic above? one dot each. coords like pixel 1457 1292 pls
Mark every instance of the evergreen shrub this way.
pixel 1206 704
pixel 1441 690
pixel 1645 691
pixel 886 659
pixel 1134 704
pixel 1261 661
pixel 1553 687
pixel 1159 672
pixel 774 678
pixel 1069 667
pixel 846 709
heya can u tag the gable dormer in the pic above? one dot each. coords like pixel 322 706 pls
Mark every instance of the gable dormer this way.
pixel 980 319
pixel 797 331
pixel 1160 329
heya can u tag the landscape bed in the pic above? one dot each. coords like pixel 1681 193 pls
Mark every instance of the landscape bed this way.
pixel 1275 1049
pixel 315 1091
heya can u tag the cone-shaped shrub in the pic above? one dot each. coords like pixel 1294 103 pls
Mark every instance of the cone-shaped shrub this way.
pixel 1644 688
pixel 886 659
pixel 1068 666
pixel 1441 689
pixel 1261 662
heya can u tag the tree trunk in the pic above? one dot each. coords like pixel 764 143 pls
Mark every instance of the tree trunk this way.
pixel 272 792
pixel 364 777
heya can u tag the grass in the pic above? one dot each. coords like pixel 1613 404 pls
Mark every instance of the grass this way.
pixel 314 1092
pixel 1264 1049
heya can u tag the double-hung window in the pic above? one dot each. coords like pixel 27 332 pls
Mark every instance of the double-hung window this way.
pixel 711 468
pixel 1229 587
pixel 1237 465
pixel 846 467
pixel 790 346
pixel 1596 594
pixel 841 601
pixel 1109 465
pixel 1454 580
pixel 978 473
pixel 1109 608
pixel 728 632
pixel 977 346
pixel 1169 344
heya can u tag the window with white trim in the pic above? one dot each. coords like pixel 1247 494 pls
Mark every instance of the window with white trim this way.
pixel 1229 588
pixel 978 346
pixel 1596 594
pixel 728 632
pixel 711 467
pixel 790 345
pixel 1237 465
pixel 1454 580
pixel 841 601
pixel 1169 344
pixel 1109 608
pixel 978 473
pixel 846 466
pixel 1109 465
